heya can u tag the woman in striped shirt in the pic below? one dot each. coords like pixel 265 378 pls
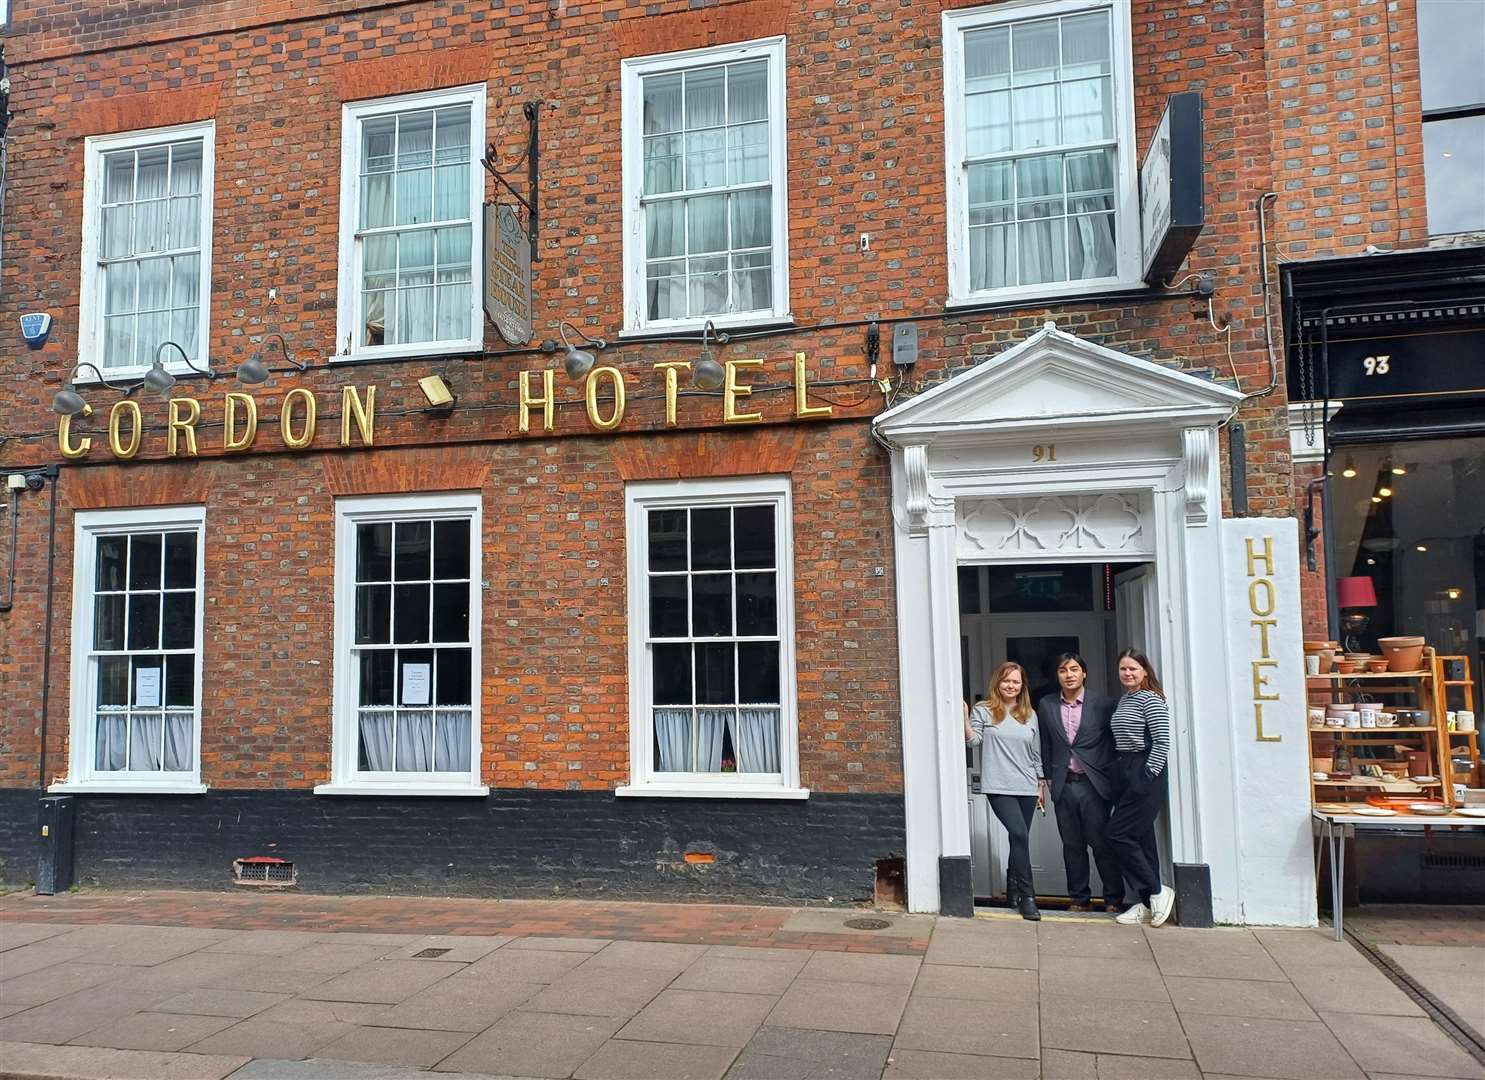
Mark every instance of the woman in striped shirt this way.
pixel 1141 727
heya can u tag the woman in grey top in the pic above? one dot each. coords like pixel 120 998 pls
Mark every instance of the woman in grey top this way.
pixel 1004 727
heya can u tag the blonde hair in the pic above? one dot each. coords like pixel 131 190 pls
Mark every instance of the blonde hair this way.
pixel 1021 709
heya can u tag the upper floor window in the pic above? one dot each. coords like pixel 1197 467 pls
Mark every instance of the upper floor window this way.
pixel 1450 34
pixel 146 275
pixel 1039 135
pixel 705 205
pixel 411 192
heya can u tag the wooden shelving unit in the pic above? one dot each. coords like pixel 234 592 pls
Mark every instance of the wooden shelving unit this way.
pixel 1422 689
pixel 1460 694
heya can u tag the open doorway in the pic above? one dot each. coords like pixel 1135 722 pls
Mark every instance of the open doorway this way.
pixel 1032 613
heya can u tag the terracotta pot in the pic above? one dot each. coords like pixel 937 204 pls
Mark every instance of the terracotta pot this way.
pixel 1402 653
pixel 1347 667
pixel 1377 666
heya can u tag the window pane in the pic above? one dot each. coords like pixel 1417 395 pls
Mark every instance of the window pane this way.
pixel 662 103
pixel 747 92
pixel 663 164
pixel 118 341
pixel 1039 187
pixel 179 624
pixel 180 560
pixel 145 734
pixel 754 541
pixel 414 551
pixel 670 674
pixel 373 614
pixel 378 674
pixel 1087 110
pixel 715 679
pixel 1043 252
pixel 667 539
pixel 758 672
pixel 987 122
pixel 747 153
pixel 108 622
pixel 113 680
pixel 706 220
pixel 453 685
pixel 757 604
pixel 1085 45
pixel 752 218
pixel 452 143
pixel 1034 52
pixel 1034 112
pixel 758 740
pixel 706 158
pixel 665 290
pixel 410 614
pixel 180 730
pixel 711 538
pixel 1453 163
pixel 990 193
pixel 415 741
pixel 1450 33
pixel 144 621
pixel 451 743
pixel 673 740
pixel 451 549
pixel 144 561
pixel 711 605
pixel 118 177
pixel 705 97
pixel 451 612
pixel 708 286
pixel 451 193
pixel 1090 246
pixel 374 750
pixel 109 752
pixel 113 554
pixel 665 229
pixel 992 257
pixel 374 552
pixel 180 681
pixel 987 59
pixel 1090 181
pixel 668 605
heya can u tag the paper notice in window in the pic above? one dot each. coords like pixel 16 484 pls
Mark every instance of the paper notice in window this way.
pixel 415 683
pixel 147 688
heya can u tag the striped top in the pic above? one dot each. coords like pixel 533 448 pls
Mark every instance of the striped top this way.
pixel 1140 718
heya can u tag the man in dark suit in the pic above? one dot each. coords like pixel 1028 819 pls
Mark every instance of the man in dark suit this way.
pixel 1078 759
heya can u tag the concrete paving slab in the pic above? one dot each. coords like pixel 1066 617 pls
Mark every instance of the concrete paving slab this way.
pixel 1068 1065
pixel 304 1011
pixel 48 984
pixel 937 1065
pixel 24 959
pixel 460 949
pixel 139 946
pixel 7 1010
pixel 755 953
pixel 1285 1049
pixel 68 1017
pixel 653 955
pixel 184 972
pixel 458 1004
pixel 1310 948
pixel 264 942
pixel 154 1031
pixel 974 983
pixel 1232 958
pixel 1101 940
pixel 329 957
pixel 1104 1025
pixel 1003 946
pixel 740 976
pixel 260 1038
pixel 620 1060
pixel 324 1069
pixel 386 942
pixel 268 978
pixel 861 967
pixel 1128 978
pixel 214 1002
pixel 811 1055
pixel 96 1063
pixel 552 943
pixel 868 1009
pixel 1121 1067
pixel 1402 1044
pixel 1004 1027
pixel 395 1046
pixel 700 1017
pixel 1353 990
pixel 1454 974
pixel 527 965
pixel 620 993
pixel 14 935
pixel 532 1044
pixel 1238 997
pixel 750 1066
pixel 383 981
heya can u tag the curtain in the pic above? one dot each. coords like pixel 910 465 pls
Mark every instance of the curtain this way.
pixel 673 739
pixel 451 741
pixel 112 739
pixel 376 740
pixel 757 740
pixel 711 724
pixel 145 741
pixel 415 741
pixel 179 729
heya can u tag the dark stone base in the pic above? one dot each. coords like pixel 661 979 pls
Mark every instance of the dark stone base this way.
pixel 18 828
pixel 956 893
pixel 1193 887
pixel 513 843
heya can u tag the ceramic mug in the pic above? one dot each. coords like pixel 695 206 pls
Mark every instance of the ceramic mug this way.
pixel 1317 717
pixel 1312 663
pixel 1451 720
pixel 1335 721
pixel 1368 718
pixel 1386 719
pixel 1353 720
pixel 1465 720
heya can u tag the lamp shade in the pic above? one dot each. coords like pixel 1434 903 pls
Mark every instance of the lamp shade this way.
pixel 1352 592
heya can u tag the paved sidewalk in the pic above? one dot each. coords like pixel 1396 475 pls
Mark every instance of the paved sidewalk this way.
pixel 1441 948
pixel 203 986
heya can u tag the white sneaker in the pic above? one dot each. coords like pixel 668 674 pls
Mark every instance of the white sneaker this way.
pixel 1162 904
pixel 1134 916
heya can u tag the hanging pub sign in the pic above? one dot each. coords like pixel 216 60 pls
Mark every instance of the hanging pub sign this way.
pixel 507 273
pixel 1172 203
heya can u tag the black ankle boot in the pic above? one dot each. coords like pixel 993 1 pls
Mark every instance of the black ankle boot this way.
pixel 1012 890
pixel 1026 903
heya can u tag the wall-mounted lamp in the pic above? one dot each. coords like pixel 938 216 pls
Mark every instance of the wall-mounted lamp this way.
pixel 1385 492
pixel 160 380
pixel 255 369
pixel 438 395
pixel 1350 469
pixel 708 374
pixel 68 402
pixel 578 362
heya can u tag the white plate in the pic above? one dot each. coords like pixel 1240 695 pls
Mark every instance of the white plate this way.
pixel 1427 808
pixel 1471 811
pixel 1424 779
pixel 1376 811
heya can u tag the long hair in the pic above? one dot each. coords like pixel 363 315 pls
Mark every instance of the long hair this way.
pixel 1151 682
pixel 1021 710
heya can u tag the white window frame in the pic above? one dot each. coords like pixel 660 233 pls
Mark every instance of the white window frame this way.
pixel 644 780
pixel 345 724
pixel 348 305
pixel 1127 206
pixel 632 112
pixel 88 525
pixel 90 292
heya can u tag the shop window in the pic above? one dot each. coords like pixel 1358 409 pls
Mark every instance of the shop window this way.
pixel 1039 135
pixel 711 639
pixel 1453 87
pixel 411 195
pixel 1408 530
pixel 137 632
pixel 407 604
pixel 706 210
pixel 146 249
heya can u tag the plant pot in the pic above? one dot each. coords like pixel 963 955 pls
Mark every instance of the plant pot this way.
pixel 1402 653
pixel 1347 667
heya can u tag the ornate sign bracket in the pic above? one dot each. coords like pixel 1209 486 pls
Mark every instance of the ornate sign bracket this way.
pixel 531 156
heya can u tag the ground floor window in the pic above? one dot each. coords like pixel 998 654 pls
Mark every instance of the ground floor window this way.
pixel 137 647
pixel 711 635
pixel 407 641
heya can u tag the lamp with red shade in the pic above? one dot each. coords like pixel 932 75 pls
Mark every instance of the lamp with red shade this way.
pixel 1352 594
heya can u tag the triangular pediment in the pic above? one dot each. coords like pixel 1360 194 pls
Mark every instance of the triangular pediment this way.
pixel 1054 377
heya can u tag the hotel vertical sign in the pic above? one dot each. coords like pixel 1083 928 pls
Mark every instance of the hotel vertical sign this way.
pixel 507 273
pixel 1260 561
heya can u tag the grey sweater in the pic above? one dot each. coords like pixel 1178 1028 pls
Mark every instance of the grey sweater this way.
pixel 1010 753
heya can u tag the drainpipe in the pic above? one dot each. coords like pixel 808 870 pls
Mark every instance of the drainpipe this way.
pixel 50 472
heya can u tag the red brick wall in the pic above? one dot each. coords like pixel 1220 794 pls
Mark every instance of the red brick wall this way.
pixel 865 100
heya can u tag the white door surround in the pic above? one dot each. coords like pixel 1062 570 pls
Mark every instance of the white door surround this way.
pixel 1058 450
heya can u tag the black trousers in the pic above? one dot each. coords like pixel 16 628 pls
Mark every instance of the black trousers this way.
pixel 1131 830
pixel 1014 812
pixel 1082 819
